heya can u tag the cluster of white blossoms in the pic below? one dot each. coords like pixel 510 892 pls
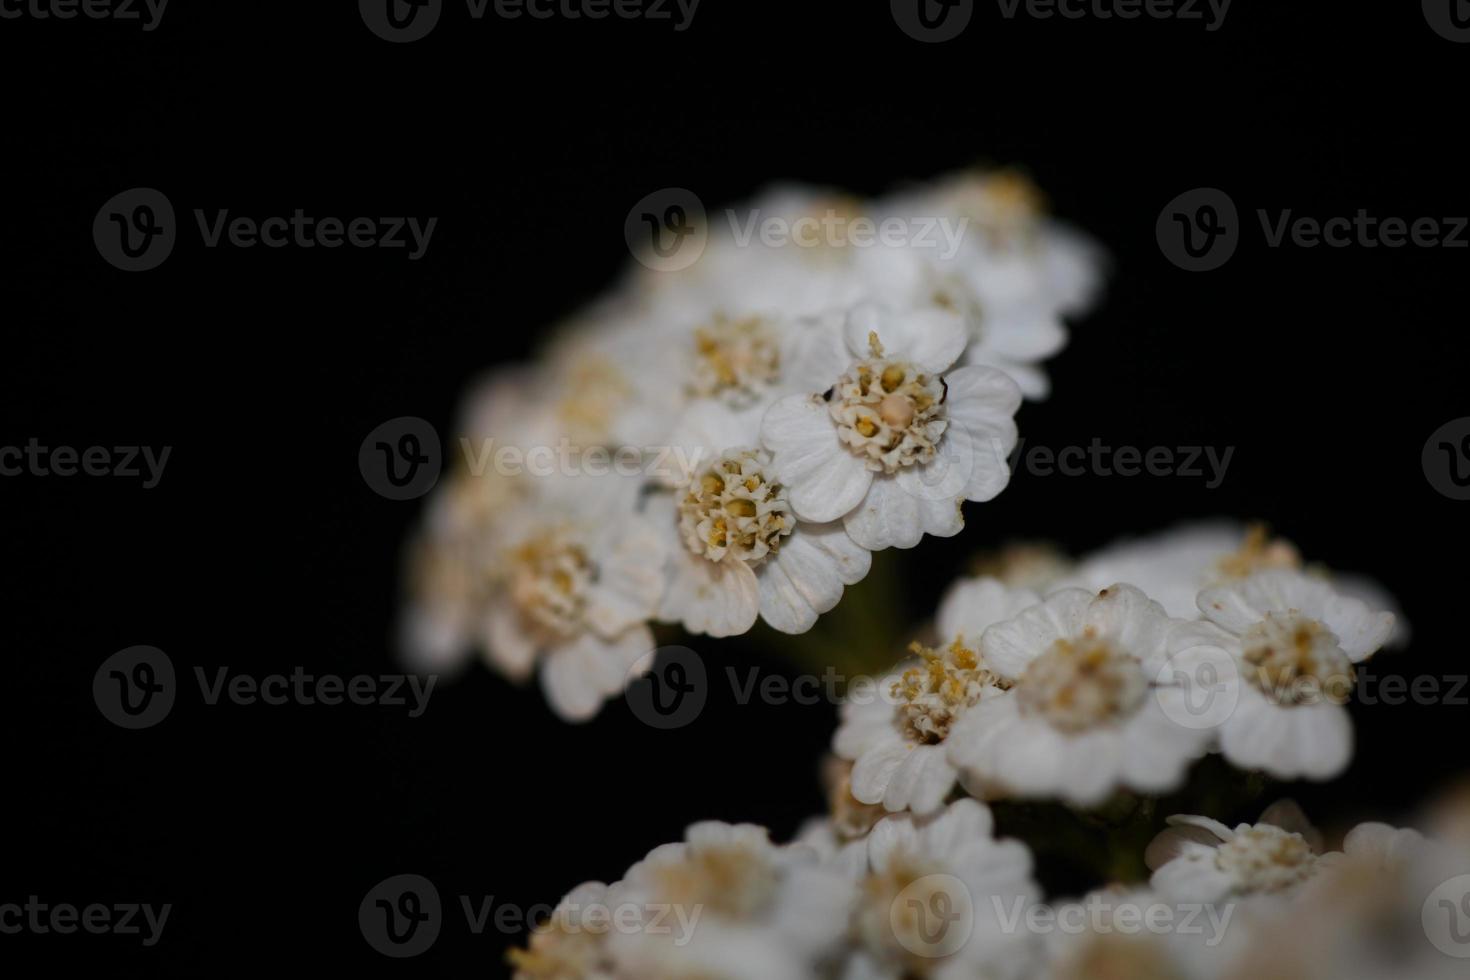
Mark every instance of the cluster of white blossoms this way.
pixel 732 440
pixel 1075 681
pixel 904 897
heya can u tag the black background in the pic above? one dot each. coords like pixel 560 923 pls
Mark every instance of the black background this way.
pixel 262 548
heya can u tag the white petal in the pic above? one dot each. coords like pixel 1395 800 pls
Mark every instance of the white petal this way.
pixel 1009 646
pixel 973 605
pixel 824 480
pixel 897 512
pixel 505 643
pixel 921 782
pixel 807 576
pixel 931 338
pixel 715 598
pixel 872 773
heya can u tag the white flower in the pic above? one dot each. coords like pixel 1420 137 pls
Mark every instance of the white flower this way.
pixel 895 732
pixel 1201 860
pixel 735 548
pixel 1081 719
pixel 1135 933
pixel 572 944
pixel 941 898
pixel 732 905
pixel 579 576
pixel 1284 645
pixel 888 438
pixel 1173 566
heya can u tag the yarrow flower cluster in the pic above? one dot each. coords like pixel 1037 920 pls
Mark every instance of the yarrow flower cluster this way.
pixel 775 414
pixel 733 442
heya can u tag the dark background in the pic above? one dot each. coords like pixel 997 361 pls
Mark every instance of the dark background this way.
pixel 262 548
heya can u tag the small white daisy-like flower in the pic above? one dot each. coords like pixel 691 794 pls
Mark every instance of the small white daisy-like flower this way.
pixel 572 944
pixel 1284 645
pixel 941 898
pixel 889 438
pixel 1082 716
pixel 1111 933
pixel 736 549
pixel 1172 567
pixel 579 576
pixel 1199 859
pixel 727 903
pixel 895 732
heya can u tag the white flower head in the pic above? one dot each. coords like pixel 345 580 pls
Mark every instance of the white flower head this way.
pixel 744 909
pixel 895 732
pixel 1082 717
pixel 736 549
pixel 1199 859
pixel 889 437
pixel 941 897
pixel 579 576
pixel 572 944
pixel 1283 645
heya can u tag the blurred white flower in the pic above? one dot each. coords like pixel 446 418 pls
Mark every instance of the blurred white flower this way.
pixel 1198 859
pixel 1082 717
pixel 579 574
pixel 730 905
pixel 1285 645
pixel 895 732
pixel 888 438
pixel 942 898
